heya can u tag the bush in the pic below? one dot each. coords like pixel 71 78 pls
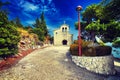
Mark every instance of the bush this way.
pixel 88 50
pixel 103 50
pixel 74 49
pixel 85 49
pixel 9 37
pixel 116 42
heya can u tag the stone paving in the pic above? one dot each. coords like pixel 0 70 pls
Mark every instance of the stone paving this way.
pixel 51 63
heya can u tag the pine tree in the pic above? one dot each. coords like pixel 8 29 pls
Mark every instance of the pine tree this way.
pixel 18 22
pixel 9 37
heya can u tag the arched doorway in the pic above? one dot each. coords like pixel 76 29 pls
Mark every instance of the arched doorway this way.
pixel 64 42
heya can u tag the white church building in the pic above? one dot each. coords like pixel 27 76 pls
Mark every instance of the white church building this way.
pixel 62 35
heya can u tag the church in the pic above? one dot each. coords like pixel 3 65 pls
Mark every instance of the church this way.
pixel 62 36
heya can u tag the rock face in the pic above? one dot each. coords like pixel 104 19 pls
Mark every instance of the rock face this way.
pixel 101 64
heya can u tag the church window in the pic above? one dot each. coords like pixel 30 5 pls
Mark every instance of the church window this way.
pixel 66 29
pixel 62 29
pixel 56 33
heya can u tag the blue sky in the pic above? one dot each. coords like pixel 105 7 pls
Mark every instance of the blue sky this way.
pixel 56 12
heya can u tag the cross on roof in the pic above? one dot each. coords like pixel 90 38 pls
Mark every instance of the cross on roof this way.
pixel 64 22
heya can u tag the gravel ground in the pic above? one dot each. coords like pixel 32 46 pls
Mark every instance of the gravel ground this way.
pixel 51 63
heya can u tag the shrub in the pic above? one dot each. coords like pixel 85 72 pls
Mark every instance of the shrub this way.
pixel 116 42
pixel 74 49
pixel 89 50
pixel 9 37
pixel 103 50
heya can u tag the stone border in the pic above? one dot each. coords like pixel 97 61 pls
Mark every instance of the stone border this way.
pixel 102 64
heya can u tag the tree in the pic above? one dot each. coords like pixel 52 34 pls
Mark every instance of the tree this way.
pixel 83 24
pixel 3 18
pixel 18 22
pixel 40 27
pixel 112 9
pixel 9 37
pixel 96 28
pixel 103 19
pixel 112 30
pixel 40 33
pixel 93 12
pixel 43 24
pixel 29 29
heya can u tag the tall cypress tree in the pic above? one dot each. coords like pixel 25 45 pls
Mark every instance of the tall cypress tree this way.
pixel 18 22
pixel 40 27
pixel 43 24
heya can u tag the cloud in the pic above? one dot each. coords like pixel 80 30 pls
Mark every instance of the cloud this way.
pixel 30 22
pixel 27 15
pixel 27 6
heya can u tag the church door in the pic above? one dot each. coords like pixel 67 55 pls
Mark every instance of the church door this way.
pixel 64 42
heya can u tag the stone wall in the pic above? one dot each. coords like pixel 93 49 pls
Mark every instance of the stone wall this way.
pixel 101 65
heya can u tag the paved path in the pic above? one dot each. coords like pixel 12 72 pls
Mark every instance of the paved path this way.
pixel 51 63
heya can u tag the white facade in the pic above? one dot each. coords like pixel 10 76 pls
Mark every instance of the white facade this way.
pixel 62 36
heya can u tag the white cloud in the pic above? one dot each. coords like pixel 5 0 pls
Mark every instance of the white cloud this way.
pixel 30 22
pixel 26 14
pixel 27 6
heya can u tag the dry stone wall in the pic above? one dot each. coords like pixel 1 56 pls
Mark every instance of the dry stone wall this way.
pixel 101 65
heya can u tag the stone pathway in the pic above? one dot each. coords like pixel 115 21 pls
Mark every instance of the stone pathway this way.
pixel 51 63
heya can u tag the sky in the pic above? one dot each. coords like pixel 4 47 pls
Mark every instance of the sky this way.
pixel 55 12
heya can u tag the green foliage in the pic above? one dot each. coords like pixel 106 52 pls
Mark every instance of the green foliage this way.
pixel 29 29
pixel 37 23
pixel 112 31
pixel 17 22
pixel 82 24
pixel 103 19
pixel 116 42
pixel 94 26
pixel 40 27
pixel 3 18
pixel 93 12
pixel 112 8
pixel 97 27
pixel 9 37
pixel 40 33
